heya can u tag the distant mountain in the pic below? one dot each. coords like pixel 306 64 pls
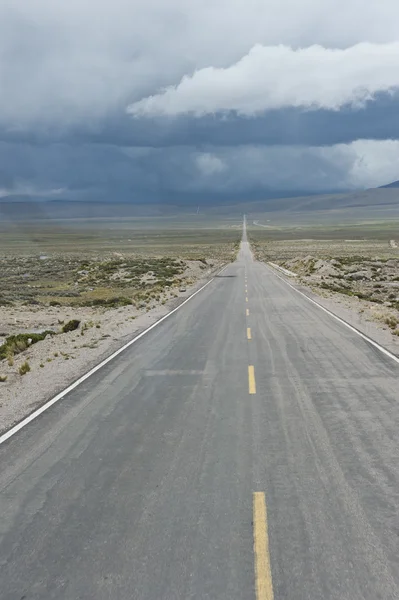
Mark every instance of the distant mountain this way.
pixel 394 184
pixel 377 203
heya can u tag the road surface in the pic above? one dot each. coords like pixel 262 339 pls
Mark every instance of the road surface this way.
pixel 247 447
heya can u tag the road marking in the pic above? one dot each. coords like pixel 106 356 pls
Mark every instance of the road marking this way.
pixel 247 312
pixel 249 333
pixel 60 396
pixel 263 573
pixel 251 380
pixel 167 372
pixel 246 299
pixel 362 335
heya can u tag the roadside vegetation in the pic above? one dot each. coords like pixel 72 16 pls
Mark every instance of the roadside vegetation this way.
pixel 15 344
pixel 364 269
pixel 69 295
pixel 108 269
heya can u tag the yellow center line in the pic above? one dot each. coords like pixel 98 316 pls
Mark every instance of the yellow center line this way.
pixel 251 380
pixel 246 299
pixel 263 573
pixel 247 312
pixel 249 337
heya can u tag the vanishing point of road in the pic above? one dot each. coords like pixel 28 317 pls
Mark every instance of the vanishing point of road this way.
pixel 246 447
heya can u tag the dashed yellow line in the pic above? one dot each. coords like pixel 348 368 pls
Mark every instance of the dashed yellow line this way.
pixel 263 573
pixel 251 380
pixel 249 337
pixel 246 299
pixel 247 312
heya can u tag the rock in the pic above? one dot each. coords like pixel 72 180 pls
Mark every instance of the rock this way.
pixel 29 341
pixel 359 276
pixel 329 271
pixel 182 289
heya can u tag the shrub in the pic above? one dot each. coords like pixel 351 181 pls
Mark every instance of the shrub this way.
pixel 3 378
pixel 21 345
pixel 24 368
pixel 15 344
pixel 391 322
pixel 55 303
pixel 70 326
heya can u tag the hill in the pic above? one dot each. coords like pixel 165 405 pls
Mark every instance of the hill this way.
pixel 394 184
pixel 372 204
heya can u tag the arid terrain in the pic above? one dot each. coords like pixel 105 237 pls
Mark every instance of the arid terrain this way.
pixel 71 295
pixel 64 306
pixel 359 274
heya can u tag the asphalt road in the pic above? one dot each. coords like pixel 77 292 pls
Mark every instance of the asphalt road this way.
pixel 140 483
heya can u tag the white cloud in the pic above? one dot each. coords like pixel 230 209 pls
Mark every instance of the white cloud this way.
pixel 64 63
pixel 209 164
pixel 278 76
pixel 28 189
pixel 374 163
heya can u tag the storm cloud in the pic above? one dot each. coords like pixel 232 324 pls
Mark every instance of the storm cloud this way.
pixel 153 97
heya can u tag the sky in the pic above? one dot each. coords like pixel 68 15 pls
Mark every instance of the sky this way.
pixel 146 99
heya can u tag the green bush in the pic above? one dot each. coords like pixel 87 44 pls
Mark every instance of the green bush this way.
pixel 15 344
pixel 70 326
pixel 108 302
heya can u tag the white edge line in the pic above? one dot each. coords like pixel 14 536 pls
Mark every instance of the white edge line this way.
pixel 362 335
pixel 44 407
pixel 285 271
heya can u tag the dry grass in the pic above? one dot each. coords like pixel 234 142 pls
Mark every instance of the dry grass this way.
pixel 149 265
pixel 24 368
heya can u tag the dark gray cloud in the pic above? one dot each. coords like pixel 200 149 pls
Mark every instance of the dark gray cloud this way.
pixel 377 120
pixel 100 172
pixel 148 99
